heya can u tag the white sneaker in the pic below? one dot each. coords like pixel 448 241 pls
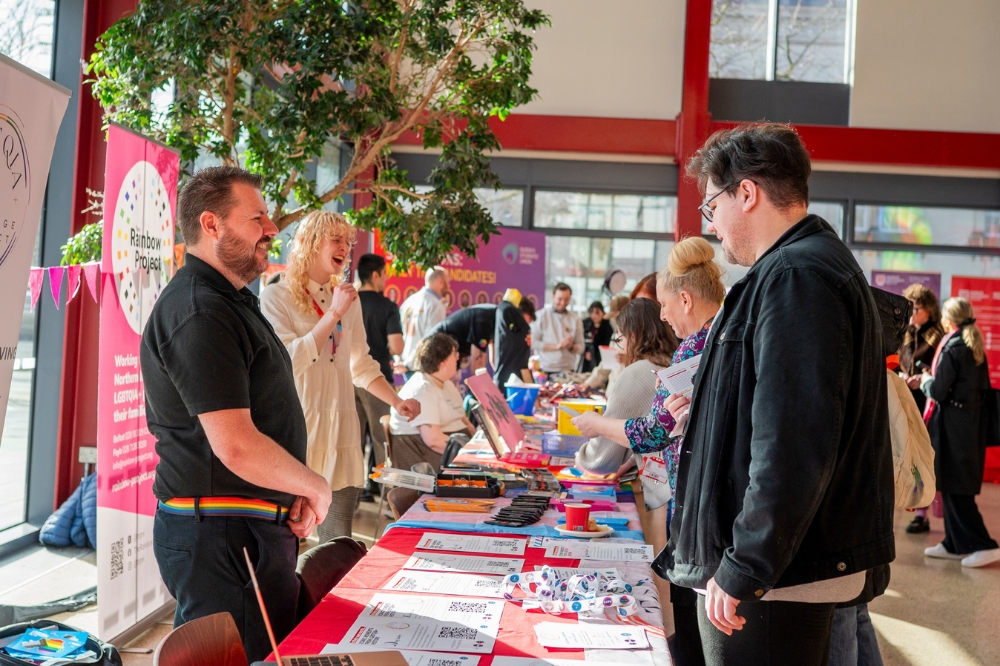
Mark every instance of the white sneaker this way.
pixel 981 558
pixel 939 552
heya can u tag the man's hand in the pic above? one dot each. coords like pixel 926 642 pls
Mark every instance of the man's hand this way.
pixel 566 343
pixel 721 609
pixel 301 518
pixel 408 408
pixel 913 381
pixel 677 405
pixel 588 423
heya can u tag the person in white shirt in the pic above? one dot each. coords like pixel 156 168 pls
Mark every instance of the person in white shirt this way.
pixel 424 438
pixel 557 333
pixel 317 317
pixel 421 312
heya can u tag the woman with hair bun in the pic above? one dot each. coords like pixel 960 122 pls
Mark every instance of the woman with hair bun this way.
pixel 690 292
pixel 956 419
pixel 317 316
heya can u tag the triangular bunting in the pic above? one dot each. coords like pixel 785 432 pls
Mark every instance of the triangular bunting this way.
pixel 91 271
pixel 56 274
pixel 73 280
pixel 35 279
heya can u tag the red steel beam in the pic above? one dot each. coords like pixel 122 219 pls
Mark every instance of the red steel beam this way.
pixel 78 386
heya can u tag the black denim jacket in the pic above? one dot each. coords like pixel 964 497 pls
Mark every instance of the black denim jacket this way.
pixel 786 470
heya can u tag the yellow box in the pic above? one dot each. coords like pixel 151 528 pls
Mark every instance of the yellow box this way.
pixel 564 424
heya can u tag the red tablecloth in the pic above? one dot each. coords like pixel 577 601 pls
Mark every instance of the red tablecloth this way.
pixel 329 622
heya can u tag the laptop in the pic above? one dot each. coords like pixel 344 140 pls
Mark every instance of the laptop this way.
pixel 382 658
pixel 499 445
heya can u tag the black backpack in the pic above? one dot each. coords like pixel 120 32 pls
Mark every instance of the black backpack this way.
pixel 108 655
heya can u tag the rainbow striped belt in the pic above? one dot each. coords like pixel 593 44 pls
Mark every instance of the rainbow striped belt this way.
pixel 227 507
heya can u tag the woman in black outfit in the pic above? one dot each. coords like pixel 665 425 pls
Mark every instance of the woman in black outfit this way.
pixel 956 420
pixel 597 332
pixel 921 339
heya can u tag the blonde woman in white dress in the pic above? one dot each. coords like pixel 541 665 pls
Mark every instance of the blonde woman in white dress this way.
pixel 318 318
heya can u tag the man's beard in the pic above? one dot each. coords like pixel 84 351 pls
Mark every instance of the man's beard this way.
pixel 235 256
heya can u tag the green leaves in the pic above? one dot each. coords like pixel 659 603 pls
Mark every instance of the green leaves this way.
pixel 85 246
pixel 269 83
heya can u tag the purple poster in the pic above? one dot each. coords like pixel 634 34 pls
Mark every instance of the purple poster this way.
pixel 896 281
pixel 515 258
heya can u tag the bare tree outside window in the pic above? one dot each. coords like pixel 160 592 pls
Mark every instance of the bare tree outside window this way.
pixel 786 40
pixel 26 33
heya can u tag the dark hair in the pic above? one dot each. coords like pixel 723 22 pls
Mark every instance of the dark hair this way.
pixel 646 288
pixel 648 337
pixel 527 307
pixel 771 155
pixel 368 265
pixel 562 286
pixel 211 190
pixel 925 300
pixel 433 351
pixel 596 305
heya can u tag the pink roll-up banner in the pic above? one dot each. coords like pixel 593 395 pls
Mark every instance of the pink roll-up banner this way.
pixel 92 272
pixel 72 280
pixel 140 202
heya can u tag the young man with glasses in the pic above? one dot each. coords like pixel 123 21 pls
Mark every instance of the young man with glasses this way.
pixel 785 489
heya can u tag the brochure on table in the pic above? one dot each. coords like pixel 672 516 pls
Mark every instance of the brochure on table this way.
pixel 412 622
pixel 469 543
pixel 598 550
pixel 591 636
pixel 464 563
pixel 435 582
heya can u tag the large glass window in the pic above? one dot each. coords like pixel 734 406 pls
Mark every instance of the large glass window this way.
pixel 26 32
pixel 605 212
pixel 782 40
pixel 925 225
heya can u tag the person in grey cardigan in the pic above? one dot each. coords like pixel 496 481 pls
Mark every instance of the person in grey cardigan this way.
pixel 646 347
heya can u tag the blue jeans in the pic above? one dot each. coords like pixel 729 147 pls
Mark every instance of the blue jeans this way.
pixel 852 642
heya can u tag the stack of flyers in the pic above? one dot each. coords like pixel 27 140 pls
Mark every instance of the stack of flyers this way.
pixel 50 647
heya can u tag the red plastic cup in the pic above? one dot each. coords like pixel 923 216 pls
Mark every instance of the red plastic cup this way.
pixel 577 517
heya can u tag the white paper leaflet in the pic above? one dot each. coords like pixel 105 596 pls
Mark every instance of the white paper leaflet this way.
pixel 678 379
pixel 467 563
pixel 470 543
pixel 635 659
pixel 412 622
pixel 428 582
pixel 599 550
pixel 591 636
pixel 412 657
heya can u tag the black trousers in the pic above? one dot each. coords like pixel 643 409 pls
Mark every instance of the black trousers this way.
pixel 776 633
pixel 964 531
pixel 203 567
pixel 685 644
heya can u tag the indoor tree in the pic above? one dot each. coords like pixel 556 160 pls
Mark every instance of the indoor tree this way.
pixel 266 84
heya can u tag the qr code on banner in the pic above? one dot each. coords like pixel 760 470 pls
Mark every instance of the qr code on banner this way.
pixel 117 558
pixel 466 607
pixel 444 662
pixel 465 633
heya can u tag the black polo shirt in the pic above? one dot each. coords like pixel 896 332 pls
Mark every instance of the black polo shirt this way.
pixel 381 317
pixel 207 347
pixel 471 327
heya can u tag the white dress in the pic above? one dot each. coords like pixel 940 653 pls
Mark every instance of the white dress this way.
pixel 325 380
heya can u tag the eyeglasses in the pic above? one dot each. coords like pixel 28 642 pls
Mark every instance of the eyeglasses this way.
pixel 707 212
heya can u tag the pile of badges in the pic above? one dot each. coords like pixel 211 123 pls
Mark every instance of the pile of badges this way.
pixel 582 593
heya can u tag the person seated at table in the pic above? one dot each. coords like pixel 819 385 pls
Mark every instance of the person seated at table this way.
pixel 690 292
pixel 646 347
pixel 441 413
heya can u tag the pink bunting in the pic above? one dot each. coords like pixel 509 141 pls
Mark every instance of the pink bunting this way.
pixel 56 274
pixel 35 279
pixel 73 285
pixel 91 271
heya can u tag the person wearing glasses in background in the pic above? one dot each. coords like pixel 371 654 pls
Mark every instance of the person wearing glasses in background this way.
pixel 921 339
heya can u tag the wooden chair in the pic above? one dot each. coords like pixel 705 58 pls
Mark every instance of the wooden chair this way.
pixel 400 500
pixel 212 640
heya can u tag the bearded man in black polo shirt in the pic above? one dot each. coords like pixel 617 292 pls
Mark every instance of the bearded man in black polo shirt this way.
pixel 221 402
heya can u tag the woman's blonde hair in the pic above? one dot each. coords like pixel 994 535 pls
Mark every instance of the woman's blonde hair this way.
pixel 957 311
pixel 691 268
pixel 314 228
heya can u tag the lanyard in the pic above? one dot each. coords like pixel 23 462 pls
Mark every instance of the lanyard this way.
pixel 340 329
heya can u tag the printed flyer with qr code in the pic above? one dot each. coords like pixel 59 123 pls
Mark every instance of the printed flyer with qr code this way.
pixel 446 624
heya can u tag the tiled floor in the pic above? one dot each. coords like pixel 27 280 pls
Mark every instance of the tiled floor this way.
pixel 934 613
